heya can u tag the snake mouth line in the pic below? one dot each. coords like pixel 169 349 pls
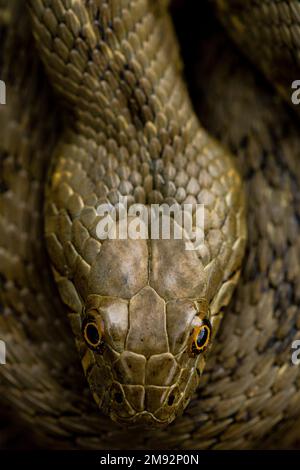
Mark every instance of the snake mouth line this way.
pixel 147 418
pixel 140 418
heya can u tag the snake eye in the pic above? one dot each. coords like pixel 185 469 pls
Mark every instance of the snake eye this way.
pixel 92 330
pixel 200 338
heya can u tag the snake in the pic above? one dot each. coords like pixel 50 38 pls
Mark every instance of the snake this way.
pixel 178 348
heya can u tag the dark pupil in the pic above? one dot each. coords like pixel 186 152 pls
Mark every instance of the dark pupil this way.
pixel 202 337
pixel 92 334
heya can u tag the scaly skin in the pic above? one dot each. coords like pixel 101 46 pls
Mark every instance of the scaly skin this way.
pixel 249 387
pixel 268 32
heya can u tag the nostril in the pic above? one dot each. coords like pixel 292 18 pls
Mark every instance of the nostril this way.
pixel 174 396
pixel 171 399
pixel 118 397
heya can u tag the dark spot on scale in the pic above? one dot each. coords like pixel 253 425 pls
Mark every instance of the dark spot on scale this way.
pixel 171 399
pixel 118 397
pixel 198 372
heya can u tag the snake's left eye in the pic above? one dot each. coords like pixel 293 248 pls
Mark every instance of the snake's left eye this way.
pixel 92 330
pixel 200 338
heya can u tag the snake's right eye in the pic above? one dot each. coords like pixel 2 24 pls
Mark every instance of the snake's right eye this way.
pixel 92 330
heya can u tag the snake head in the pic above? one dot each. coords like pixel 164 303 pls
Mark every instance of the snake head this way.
pixel 145 374
pixel 146 327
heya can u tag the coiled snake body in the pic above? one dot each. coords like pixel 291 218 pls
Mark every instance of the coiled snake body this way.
pixel 134 306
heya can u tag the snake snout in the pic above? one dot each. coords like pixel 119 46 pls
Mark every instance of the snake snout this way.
pixel 137 405
pixel 147 390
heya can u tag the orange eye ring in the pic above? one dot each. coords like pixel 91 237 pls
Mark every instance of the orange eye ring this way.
pixel 200 338
pixel 92 331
